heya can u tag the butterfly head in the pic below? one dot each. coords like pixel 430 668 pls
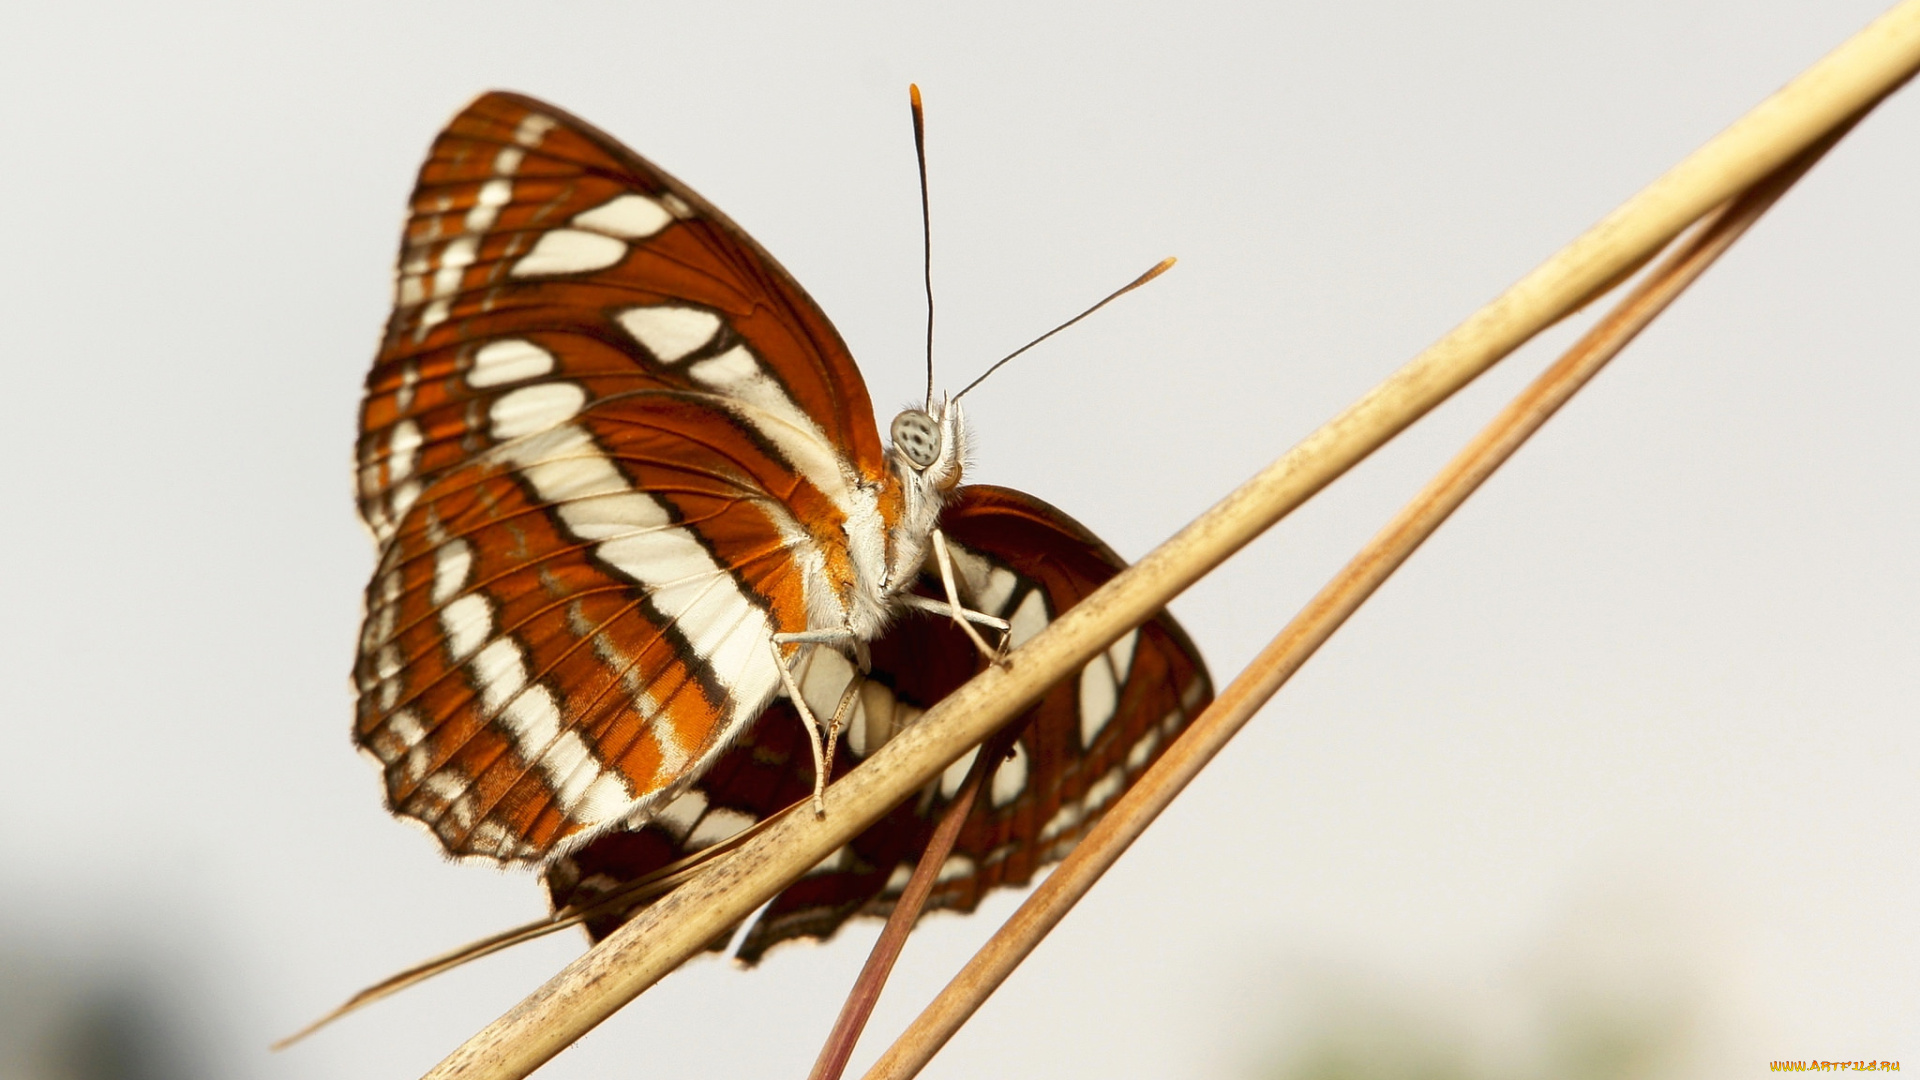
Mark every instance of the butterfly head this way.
pixel 929 447
pixel 927 457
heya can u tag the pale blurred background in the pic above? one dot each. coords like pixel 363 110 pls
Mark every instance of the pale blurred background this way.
pixel 1617 778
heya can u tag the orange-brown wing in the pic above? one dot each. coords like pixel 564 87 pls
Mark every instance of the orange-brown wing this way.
pixel 540 250
pixel 600 424
pixel 1078 748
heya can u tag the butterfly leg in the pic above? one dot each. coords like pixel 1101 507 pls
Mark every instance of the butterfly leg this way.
pixel 941 607
pixel 824 742
pixel 961 615
pixel 841 713
pixel 806 718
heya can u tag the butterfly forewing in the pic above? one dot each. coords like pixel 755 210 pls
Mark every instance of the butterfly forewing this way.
pixel 539 250
pixel 1083 744
pixel 602 431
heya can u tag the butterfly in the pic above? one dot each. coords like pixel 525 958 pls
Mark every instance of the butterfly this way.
pixel 647 574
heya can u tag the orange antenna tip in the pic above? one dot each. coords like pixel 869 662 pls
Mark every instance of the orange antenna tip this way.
pixel 1159 268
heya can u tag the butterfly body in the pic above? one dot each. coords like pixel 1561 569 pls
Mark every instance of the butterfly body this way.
pixel 632 510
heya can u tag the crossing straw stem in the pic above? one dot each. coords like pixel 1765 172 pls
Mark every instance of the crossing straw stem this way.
pixel 1845 82
pixel 1328 610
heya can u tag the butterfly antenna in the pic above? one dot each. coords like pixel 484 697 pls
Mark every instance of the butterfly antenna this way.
pixel 1159 268
pixel 926 224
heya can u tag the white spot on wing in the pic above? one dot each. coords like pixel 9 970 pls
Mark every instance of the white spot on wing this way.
pixel 387 662
pixel 379 628
pixel 670 332
pixel 993 598
pixel 703 601
pixel 434 315
pixel 1122 655
pixel 448 786
pixel 532 409
pixel 403 498
pixel 566 759
pixel 501 673
pixel 461 809
pixel 720 824
pixel 586 792
pixel 403 736
pixel 680 816
pixel 732 371
pixel 566 468
pixel 823 678
pixel 1143 749
pixel 872 723
pixel 1190 697
pixel 454 260
pixel 971 568
pixel 533 127
pixel 406 727
pixel 760 401
pixel 569 251
pixel 1010 779
pixel 594 516
pixel 389 692
pixel 409 379
pixel 490 835
pixel 956 867
pixel 1028 620
pixel 494 193
pixel 629 217
pixel 1067 817
pixel 956 774
pixel 452 561
pixel 468 623
pixel 445 785
pixel 401 447
pixel 673 753
pixel 1104 789
pixel 1098 697
pixel 508 361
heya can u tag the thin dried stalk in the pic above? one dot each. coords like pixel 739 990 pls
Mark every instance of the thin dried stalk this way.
pixel 832 1061
pixel 658 940
pixel 1315 623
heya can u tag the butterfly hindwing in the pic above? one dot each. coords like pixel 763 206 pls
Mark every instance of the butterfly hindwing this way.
pixel 1077 749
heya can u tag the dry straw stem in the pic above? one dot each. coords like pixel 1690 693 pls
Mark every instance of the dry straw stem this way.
pixel 832 1061
pixel 1316 622
pixel 679 926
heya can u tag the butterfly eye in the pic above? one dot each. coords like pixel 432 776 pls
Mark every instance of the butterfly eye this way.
pixel 916 435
